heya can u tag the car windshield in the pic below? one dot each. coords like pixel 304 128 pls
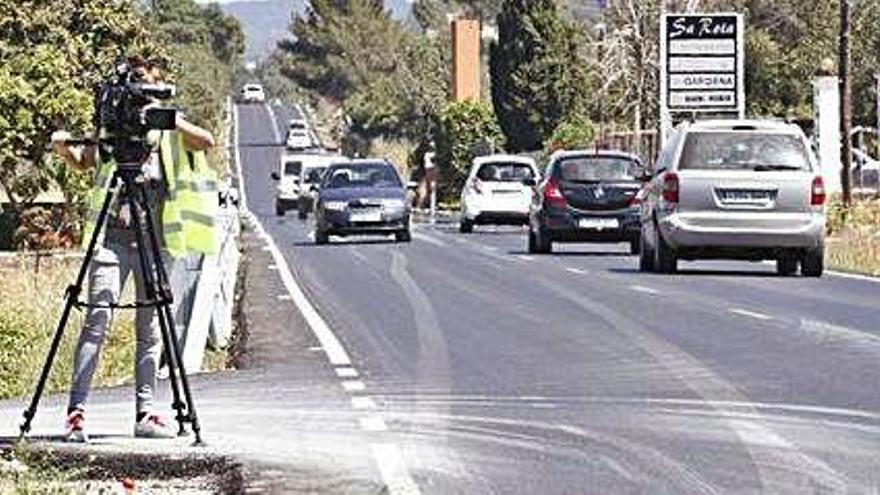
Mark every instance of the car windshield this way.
pixel 297 125
pixel 598 168
pixel 743 151
pixel 361 175
pixel 314 175
pixel 505 172
pixel 292 167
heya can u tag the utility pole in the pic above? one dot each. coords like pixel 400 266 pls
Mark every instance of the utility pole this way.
pixel 845 99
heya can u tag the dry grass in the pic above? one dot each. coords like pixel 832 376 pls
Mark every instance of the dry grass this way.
pixel 854 236
pixel 31 295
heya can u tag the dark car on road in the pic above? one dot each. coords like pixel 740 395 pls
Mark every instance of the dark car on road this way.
pixel 587 196
pixel 359 197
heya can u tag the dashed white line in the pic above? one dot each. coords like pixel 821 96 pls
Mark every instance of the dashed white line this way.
pixel 273 267
pixel 643 289
pixel 750 314
pixel 576 271
pixel 346 372
pixel 393 470
pixel 430 240
pixel 523 257
pixel 373 422
pixel 363 403
pixel 354 386
pixel 284 297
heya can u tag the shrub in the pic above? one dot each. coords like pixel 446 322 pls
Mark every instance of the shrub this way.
pixel 467 129
pixel 575 132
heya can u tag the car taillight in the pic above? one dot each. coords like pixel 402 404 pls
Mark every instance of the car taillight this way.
pixel 635 200
pixel 670 187
pixel 553 194
pixel 817 192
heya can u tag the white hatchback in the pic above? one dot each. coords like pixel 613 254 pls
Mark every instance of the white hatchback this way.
pixel 498 191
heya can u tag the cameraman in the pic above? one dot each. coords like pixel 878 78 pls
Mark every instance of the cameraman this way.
pixel 116 258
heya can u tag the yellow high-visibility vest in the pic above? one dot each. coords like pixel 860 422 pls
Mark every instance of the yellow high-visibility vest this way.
pixel 199 204
pixel 177 172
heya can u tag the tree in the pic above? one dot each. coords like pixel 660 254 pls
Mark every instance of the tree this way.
pixel 464 128
pixel 537 72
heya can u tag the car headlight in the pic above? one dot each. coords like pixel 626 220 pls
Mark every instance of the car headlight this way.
pixel 392 204
pixel 335 205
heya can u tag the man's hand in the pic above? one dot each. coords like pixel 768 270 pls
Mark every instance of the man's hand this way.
pixel 194 137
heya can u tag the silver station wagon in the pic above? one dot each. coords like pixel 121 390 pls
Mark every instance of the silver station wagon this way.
pixel 735 189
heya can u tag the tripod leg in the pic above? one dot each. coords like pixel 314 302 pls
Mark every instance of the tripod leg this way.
pixel 71 297
pixel 171 341
pixel 153 293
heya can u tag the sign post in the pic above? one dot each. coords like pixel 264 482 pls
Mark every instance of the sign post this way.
pixel 702 66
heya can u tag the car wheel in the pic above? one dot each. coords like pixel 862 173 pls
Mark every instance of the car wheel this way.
pixel 533 243
pixel 403 236
pixel 813 262
pixel 542 242
pixel 321 237
pixel 303 213
pixel 665 260
pixel 279 210
pixel 465 226
pixel 786 265
pixel 646 256
pixel 635 246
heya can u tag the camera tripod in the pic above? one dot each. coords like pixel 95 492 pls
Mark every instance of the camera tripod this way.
pixel 158 292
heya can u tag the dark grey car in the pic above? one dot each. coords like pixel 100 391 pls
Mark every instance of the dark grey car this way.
pixel 360 197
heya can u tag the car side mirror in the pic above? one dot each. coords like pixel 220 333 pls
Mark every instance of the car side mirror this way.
pixel 530 182
pixel 276 176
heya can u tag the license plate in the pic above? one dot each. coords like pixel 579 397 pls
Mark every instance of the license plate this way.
pixel 598 223
pixel 366 216
pixel 745 196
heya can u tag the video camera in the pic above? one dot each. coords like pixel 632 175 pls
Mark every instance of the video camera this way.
pixel 126 109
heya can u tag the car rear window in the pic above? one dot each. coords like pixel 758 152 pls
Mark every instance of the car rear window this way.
pixel 297 125
pixel 292 168
pixel 743 151
pixel 361 175
pixel 598 168
pixel 505 172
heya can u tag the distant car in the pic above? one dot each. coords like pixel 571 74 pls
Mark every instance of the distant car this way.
pixel 299 136
pixel 292 171
pixel 253 93
pixel 310 181
pixel 735 189
pixel 498 190
pixel 587 196
pixel 364 196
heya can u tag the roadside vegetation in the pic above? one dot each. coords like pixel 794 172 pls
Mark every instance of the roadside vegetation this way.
pixel 853 242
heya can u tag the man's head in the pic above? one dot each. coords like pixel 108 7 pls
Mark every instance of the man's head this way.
pixel 146 70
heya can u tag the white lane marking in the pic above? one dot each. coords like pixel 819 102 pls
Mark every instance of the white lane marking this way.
pixel 273 267
pixel 524 257
pixel 853 276
pixel 750 314
pixel 363 403
pixel 828 333
pixel 576 271
pixel 346 372
pixel 316 348
pixel 354 386
pixel 491 249
pixel 267 248
pixel 242 190
pixel 335 351
pixel 393 470
pixel 430 240
pixel 357 255
pixel 373 422
pixel 643 289
pixel 284 297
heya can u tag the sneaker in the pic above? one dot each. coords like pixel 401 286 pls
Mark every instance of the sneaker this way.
pixel 153 426
pixel 76 432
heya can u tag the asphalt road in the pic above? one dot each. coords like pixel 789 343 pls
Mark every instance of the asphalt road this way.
pixel 494 371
